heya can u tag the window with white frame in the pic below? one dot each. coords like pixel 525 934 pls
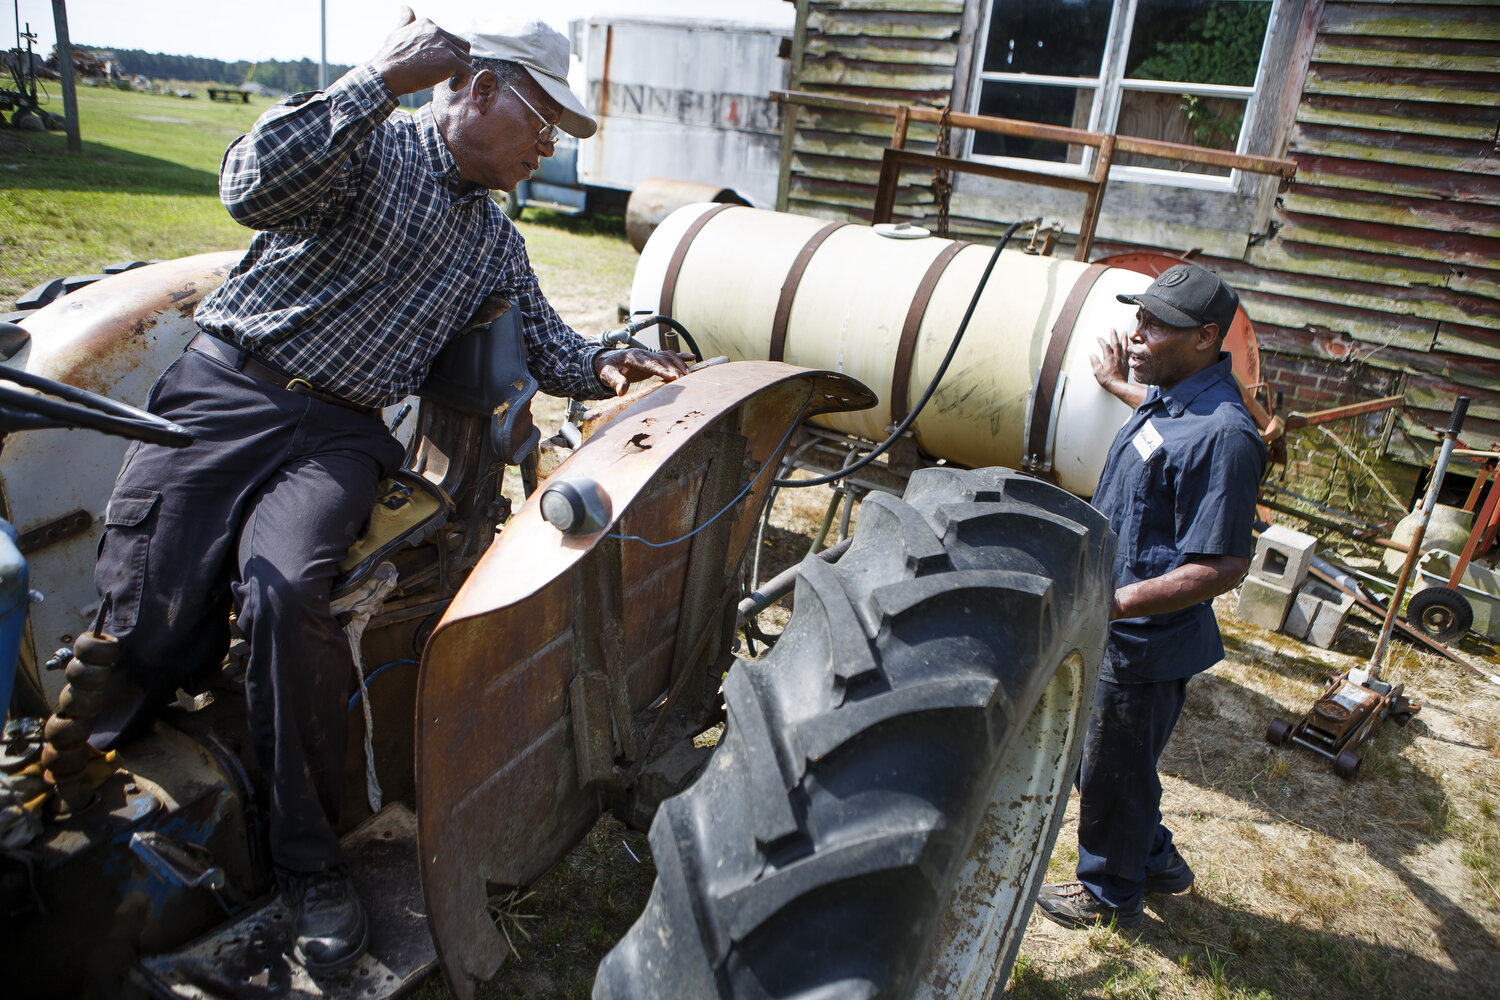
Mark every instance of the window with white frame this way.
pixel 1181 71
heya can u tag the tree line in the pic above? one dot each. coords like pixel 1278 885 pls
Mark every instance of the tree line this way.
pixel 288 77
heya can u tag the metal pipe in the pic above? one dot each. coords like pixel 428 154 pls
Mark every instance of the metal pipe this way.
pixel 781 584
pixel 1450 438
pixel 1286 169
pixel 323 44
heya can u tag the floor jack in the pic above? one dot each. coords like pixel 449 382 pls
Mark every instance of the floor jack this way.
pixel 1343 717
pixel 1356 701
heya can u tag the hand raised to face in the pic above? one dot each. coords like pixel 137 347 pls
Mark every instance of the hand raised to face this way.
pixel 419 54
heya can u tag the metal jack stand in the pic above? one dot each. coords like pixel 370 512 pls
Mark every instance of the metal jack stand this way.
pixel 1356 701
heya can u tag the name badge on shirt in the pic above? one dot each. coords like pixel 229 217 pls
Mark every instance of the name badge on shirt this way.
pixel 1147 440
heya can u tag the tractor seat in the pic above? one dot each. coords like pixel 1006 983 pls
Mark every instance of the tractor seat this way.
pixel 408 508
pixel 475 419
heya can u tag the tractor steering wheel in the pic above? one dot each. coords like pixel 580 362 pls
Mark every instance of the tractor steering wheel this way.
pixel 73 407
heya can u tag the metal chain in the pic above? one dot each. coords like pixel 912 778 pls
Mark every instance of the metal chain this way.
pixel 942 180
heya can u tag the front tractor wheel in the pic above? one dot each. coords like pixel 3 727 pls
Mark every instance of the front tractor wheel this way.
pixel 878 815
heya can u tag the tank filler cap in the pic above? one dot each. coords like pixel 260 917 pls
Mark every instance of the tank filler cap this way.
pixel 901 230
pixel 575 507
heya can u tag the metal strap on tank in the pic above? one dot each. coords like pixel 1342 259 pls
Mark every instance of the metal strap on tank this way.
pixel 907 347
pixel 789 288
pixel 1035 459
pixel 669 280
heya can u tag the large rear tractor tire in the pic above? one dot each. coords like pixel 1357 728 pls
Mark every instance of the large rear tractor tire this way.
pixel 879 812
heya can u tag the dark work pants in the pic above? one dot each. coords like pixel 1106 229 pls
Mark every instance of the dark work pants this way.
pixel 1120 833
pixel 263 506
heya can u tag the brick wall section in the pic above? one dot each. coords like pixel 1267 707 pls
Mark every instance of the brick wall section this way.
pixel 1319 467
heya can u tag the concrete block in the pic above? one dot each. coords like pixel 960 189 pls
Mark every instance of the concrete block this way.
pixel 1282 556
pixel 1300 616
pixel 1264 603
pixel 1331 615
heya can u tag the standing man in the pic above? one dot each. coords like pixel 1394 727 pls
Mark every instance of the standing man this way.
pixel 1179 487
pixel 377 242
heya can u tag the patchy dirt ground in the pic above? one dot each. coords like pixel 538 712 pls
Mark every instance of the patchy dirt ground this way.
pixel 1308 886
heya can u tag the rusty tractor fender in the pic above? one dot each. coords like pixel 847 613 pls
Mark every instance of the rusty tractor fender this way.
pixel 538 684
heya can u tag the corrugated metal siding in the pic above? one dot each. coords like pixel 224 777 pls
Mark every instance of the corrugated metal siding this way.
pixel 1387 247
pixel 888 50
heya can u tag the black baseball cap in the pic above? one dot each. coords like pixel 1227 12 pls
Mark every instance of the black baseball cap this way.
pixel 1188 295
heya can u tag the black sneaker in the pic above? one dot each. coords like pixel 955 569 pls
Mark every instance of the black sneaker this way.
pixel 328 920
pixel 1073 906
pixel 1176 877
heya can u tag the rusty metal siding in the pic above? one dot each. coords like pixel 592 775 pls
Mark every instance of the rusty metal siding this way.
pixel 894 50
pixel 1386 249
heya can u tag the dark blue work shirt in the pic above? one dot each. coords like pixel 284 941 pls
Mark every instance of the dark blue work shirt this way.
pixel 1180 483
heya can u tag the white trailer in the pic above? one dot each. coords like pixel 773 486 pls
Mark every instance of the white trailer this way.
pixel 678 99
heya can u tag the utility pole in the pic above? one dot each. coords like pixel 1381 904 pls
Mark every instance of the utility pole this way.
pixel 323 44
pixel 65 67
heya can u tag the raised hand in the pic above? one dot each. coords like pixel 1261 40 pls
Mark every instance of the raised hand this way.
pixel 419 54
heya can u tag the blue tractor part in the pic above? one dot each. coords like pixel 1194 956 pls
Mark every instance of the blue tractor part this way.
pixel 15 595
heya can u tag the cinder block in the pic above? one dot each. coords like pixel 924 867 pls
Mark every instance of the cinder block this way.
pixel 1300 616
pixel 1282 556
pixel 1331 615
pixel 1264 603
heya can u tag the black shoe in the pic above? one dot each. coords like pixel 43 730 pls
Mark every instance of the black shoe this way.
pixel 328 920
pixel 1176 877
pixel 1073 906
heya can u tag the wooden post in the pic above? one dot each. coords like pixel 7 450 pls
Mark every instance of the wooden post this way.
pixel 65 67
pixel 789 111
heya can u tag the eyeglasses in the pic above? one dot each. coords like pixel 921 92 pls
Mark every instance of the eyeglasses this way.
pixel 549 132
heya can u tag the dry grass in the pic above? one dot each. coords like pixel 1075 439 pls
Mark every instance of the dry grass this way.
pixel 1308 885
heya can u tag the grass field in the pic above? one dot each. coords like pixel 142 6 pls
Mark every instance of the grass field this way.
pixel 1308 886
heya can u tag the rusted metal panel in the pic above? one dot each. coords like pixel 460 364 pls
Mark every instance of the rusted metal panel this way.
pixel 1450 19
pixel 902 52
pixel 1452 248
pixel 1412 182
pixel 852 73
pixel 1424 301
pixel 1434 54
pixel 499 795
pixel 899 50
pixel 1428 392
pixel 1321 343
pixel 1386 147
pixel 1475 341
pixel 880 24
pixel 1398 84
pixel 1299 259
pixel 1475 123
pixel 1390 210
pixel 896 7
pixel 1366 325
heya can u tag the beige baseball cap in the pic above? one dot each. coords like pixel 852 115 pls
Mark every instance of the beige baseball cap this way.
pixel 544 52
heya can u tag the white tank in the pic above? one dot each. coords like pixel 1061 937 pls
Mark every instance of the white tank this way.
pixel 849 307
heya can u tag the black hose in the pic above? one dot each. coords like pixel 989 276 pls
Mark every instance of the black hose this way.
pixel 639 323
pixel 937 377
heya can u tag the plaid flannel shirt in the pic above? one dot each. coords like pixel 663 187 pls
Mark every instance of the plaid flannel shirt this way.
pixel 371 253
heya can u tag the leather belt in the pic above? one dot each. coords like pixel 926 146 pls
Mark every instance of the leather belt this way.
pixel 248 364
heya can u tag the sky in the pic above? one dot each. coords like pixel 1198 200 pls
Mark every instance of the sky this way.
pixel 288 29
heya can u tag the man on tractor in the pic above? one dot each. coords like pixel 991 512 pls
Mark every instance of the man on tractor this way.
pixel 377 242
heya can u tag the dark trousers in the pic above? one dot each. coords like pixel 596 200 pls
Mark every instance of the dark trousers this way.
pixel 261 507
pixel 1120 833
